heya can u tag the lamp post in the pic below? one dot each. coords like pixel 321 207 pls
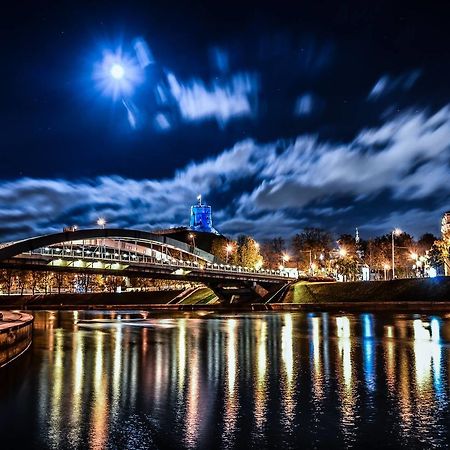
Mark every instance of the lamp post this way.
pixel 229 249
pixel 192 238
pixel 101 222
pixel 386 268
pixel 284 259
pixel 395 232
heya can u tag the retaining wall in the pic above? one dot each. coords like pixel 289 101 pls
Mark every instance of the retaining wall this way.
pixel 16 334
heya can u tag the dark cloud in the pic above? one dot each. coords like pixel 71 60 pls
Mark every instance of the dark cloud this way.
pixel 291 182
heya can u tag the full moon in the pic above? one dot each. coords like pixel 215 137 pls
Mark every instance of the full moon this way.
pixel 117 71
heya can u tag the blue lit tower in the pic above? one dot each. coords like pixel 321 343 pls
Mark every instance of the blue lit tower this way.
pixel 201 217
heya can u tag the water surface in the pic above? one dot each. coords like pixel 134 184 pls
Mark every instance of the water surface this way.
pixel 229 381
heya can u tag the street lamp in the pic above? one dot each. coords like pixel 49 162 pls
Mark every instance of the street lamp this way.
pixel 229 249
pixel 192 238
pixel 342 252
pixel 395 232
pixel 101 222
pixel 386 267
pixel 284 259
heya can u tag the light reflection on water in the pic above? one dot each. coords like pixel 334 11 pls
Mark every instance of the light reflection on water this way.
pixel 216 381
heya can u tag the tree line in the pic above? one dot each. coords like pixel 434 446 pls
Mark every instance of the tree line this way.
pixel 316 251
pixel 47 282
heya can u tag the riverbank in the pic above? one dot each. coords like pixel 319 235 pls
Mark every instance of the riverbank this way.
pixel 429 294
pixel 16 331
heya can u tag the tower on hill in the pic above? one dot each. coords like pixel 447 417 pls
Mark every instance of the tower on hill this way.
pixel 201 217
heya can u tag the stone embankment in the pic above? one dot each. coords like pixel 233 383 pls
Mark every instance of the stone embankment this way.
pixel 16 334
pixel 402 294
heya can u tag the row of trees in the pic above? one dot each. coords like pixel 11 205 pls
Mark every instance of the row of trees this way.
pixel 315 250
pixel 46 282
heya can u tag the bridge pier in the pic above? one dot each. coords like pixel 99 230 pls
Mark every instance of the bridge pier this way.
pixel 241 292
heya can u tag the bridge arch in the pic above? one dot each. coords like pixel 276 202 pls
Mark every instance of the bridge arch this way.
pixel 14 249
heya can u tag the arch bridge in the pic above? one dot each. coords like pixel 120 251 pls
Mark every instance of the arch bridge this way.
pixel 134 253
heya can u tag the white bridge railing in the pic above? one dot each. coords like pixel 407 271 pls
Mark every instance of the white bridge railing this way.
pixel 104 257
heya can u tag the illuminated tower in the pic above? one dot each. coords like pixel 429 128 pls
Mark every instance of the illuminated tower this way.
pixel 201 217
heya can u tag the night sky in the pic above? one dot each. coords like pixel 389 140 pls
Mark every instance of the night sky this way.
pixel 329 114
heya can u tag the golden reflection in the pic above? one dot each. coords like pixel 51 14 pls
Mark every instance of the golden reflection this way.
pixel 78 384
pixel 427 355
pixel 158 368
pixel 99 417
pixel 345 377
pixel 181 354
pixel 389 331
pixel 55 419
pixel 193 411
pixel 231 398
pixel 404 396
pixel 286 347
pixel 260 386
pixel 133 379
pixel 389 362
pixel 422 353
pixel 318 379
pixel 117 371
pixel 288 366
pixel 343 332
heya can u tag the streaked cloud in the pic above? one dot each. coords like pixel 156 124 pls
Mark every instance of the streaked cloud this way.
pixel 273 188
pixel 387 84
pixel 304 105
pixel 222 100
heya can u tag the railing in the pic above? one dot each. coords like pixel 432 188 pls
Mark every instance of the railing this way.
pixel 101 255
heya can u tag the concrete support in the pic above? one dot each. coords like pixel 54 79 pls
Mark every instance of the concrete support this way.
pixel 242 292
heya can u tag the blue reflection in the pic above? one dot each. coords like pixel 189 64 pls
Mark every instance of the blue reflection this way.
pixel 368 351
pixel 435 325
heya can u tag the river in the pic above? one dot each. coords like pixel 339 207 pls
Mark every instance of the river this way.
pixel 213 380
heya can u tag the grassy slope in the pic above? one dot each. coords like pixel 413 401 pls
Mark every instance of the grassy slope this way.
pixel 437 289
pixel 202 296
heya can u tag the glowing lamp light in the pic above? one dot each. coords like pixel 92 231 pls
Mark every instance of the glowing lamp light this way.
pixel 285 257
pixel 342 252
pixel 397 231
pixel 101 222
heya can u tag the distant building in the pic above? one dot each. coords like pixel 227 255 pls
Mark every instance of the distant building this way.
pixel 201 217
